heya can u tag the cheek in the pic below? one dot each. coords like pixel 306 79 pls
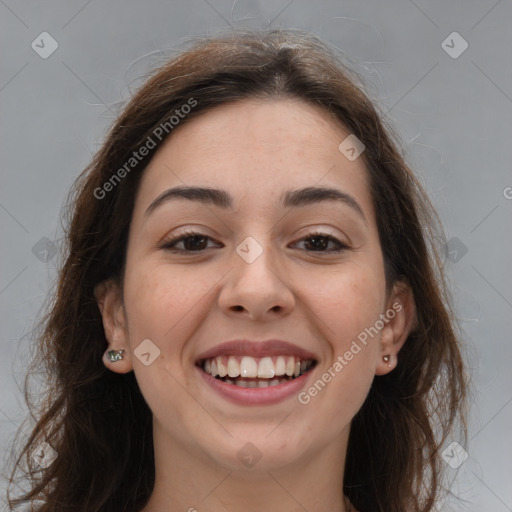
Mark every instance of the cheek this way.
pixel 349 302
pixel 162 306
pixel 161 303
pixel 349 307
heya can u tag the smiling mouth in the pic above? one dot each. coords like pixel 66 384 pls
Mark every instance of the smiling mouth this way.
pixel 254 372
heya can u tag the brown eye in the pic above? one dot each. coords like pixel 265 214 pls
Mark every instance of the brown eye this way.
pixel 320 242
pixel 191 242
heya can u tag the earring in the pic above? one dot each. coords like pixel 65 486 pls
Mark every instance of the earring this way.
pixel 387 359
pixel 115 355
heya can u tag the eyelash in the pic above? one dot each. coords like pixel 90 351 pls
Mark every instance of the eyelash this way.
pixel 169 244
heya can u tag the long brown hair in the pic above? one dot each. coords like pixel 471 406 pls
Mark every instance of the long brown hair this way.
pixel 98 422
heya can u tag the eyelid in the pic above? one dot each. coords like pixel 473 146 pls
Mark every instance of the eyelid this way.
pixel 185 230
pixel 325 230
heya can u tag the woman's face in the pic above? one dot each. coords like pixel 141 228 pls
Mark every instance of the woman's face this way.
pixel 267 257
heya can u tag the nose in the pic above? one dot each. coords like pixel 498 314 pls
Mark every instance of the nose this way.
pixel 257 290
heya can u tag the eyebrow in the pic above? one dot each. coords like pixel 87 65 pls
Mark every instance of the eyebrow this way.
pixel 289 199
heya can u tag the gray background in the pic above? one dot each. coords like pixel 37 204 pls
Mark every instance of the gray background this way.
pixel 454 116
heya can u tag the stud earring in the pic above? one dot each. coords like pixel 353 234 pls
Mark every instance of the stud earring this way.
pixel 115 355
pixel 387 359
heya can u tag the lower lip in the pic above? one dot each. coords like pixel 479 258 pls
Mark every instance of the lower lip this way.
pixel 256 396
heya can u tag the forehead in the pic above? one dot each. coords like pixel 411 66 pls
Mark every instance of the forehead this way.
pixel 256 149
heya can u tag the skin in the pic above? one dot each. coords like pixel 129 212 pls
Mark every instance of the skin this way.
pixel 188 303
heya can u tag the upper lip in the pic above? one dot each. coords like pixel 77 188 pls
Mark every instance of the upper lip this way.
pixel 256 349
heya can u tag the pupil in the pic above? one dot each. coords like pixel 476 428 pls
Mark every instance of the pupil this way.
pixel 323 242
pixel 196 245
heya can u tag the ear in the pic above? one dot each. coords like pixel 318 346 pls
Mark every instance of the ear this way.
pixel 109 298
pixel 399 319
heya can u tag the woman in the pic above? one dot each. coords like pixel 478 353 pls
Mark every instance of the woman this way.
pixel 252 313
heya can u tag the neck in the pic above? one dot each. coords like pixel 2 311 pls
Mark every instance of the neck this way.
pixel 188 480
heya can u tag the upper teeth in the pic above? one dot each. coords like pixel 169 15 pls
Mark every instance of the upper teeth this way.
pixel 250 367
